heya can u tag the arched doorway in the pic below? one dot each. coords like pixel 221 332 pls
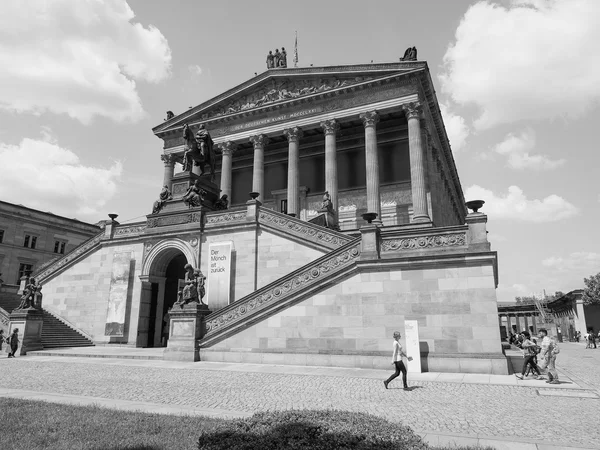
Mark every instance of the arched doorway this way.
pixel 162 269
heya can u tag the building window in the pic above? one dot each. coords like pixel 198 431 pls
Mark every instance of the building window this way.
pixel 1 236
pixel 59 247
pixel 23 270
pixel 30 241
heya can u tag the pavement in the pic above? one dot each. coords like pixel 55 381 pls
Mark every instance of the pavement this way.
pixel 465 409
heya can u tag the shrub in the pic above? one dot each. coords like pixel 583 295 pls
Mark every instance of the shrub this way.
pixel 310 430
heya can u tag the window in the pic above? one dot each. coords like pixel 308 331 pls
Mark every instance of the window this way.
pixel 1 236
pixel 24 269
pixel 59 247
pixel 30 241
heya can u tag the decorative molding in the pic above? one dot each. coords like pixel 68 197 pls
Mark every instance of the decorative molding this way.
pixel 178 189
pixel 424 242
pixel 228 148
pixel 178 219
pixel 69 257
pixel 413 110
pixel 369 118
pixel 168 159
pixel 311 274
pixel 229 217
pixel 259 141
pixel 169 244
pixel 304 230
pixel 293 134
pixel 331 126
pixel 129 230
pixel 194 242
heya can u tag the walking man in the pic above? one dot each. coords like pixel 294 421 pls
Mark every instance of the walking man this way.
pixel 13 342
pixel 397 362
pixel 548 354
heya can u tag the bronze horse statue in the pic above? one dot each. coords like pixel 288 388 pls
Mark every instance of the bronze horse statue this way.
pixel 199 150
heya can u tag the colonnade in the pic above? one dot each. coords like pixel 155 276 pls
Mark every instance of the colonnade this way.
pixel 518 316
pixel 413 112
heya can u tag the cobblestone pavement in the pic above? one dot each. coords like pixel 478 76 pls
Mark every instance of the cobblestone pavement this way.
pixel 474 409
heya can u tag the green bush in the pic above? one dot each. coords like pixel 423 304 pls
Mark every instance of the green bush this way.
pixel 310 430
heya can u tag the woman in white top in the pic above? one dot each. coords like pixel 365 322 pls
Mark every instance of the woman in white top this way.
pixel 397 361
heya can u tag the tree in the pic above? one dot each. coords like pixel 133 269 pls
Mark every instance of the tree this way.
pixel 591 293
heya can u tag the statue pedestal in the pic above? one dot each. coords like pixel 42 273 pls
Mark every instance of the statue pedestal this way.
pixel 182 181
pixel 186 326
pixel 29 322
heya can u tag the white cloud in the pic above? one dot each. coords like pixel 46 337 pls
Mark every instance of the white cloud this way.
pixel 45 176
pixel 530 60
pixel 80 58
pixel 195 70
pixel 517 148
pixel 516 206
pixel 456 128
pixel 587 263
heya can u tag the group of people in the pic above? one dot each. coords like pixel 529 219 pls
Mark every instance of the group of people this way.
pixel 12 341
pixel 590 339
pixel 538 357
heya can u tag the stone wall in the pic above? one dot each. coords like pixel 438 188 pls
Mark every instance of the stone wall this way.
pixel 80 293
pixel 351 323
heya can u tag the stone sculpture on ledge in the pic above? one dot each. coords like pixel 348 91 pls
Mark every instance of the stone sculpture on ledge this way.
pixel 194 290
pixel 165 194
pixel 326 203
pixel 410 54
pixel 222 203
pixel 32 295
pixel 194 196
pixel 270 60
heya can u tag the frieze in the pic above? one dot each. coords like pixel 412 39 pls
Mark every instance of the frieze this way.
pixel 287 286
pixel 83 248
pixel 225 218
pixel 178 219
pixel 128 230
pixel 424 242
pixel 303 229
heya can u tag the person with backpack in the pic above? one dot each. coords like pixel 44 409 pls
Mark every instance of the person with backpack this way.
pixel 548 355
pixel 530 351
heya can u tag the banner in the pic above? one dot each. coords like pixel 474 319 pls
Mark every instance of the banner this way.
pixel 411 333
pixel 117 296
pixel 219 274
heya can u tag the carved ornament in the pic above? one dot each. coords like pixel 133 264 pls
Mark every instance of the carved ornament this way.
pixel 174 220
pixel 259 141
pixel 83 248
pixel 168 159
pixel 226 218
pixel 289 285
pixel 228 148
pixel 421 242
pixel 413 110
pixel 127 230
pixel 330 126
pixel 293 134
pixel 369 118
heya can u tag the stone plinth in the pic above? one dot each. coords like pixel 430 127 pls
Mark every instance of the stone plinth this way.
pixel 29 322
pixel 181 182
pixel 477 235
pixel 186 326
pixel 370 241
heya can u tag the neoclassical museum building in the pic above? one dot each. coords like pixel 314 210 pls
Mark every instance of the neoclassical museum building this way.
pixel 344 221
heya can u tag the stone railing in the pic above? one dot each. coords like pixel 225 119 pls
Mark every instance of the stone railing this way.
pixel 304 230
pixel 274 296
pixel 84 248
pixel 237 216
pixel 135 229
pixel 423 240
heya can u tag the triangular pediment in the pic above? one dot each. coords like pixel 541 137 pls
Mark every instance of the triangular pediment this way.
pixel 278 86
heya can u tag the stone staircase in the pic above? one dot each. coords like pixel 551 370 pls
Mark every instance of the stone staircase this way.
pixel 57 334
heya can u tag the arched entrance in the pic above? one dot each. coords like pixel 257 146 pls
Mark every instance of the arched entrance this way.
pixel 162 269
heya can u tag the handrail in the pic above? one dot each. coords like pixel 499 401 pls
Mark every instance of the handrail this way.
pixel 286 287
pixel 304 230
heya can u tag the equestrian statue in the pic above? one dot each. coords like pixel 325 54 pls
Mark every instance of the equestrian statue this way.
pixel 199 150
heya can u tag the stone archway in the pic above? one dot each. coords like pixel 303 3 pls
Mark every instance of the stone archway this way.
pixel 161 270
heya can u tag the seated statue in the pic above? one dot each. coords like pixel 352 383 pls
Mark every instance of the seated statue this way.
pixel 29 295
pixel 222 203
pixel 194 196
pixel 326 203
pixel 165 194
pixel 410 54
pixel 194 289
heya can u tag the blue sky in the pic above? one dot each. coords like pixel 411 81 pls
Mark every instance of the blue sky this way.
pixel 83 83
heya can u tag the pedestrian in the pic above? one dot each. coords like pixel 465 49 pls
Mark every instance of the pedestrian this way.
pixel 2 338
pixel 397 361
pixel 13 341
pixel 586 336
pixel 548 355
pixel 578 336
pixel 530 351
pixel 593 338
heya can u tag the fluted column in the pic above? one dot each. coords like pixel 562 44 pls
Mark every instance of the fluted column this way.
pixel 227 149
pixel 169 161
pixel 508 325
pixel 370 120
pixel 417 162
pixel 293 183
pixel 258 169
pixel 331 127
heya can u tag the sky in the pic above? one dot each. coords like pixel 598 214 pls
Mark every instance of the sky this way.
pixel 84 81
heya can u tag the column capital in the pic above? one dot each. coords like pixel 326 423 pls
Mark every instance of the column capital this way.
pixel 413 110
pixel 331 126
pixel 228 148
pixel 167 159
pixel 370 118
pixel 259 140
pixel 293 134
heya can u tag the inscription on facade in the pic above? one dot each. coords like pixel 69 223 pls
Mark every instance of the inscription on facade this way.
pixel 267 120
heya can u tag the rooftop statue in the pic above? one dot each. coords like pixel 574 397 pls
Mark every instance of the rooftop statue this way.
pixel 165 194
pixel 283 58
pixel 193 291
pixel 410 54
pixel 170 115
pixel 276 58
pixel 199 150
pixel 270 60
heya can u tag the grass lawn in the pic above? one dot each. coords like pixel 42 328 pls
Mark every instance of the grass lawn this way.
pixel 32 425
